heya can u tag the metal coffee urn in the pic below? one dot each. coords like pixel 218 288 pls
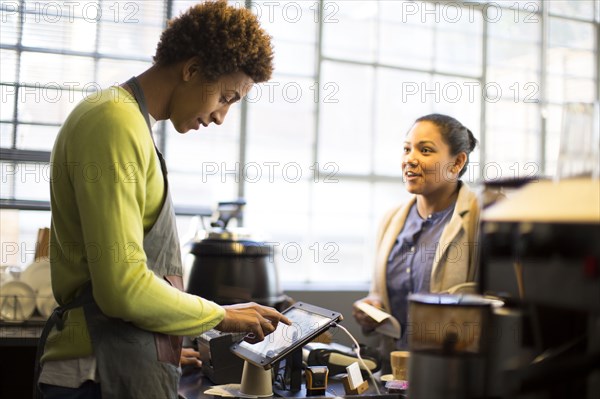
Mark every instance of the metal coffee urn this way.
pixel 227 266
pixel 448 341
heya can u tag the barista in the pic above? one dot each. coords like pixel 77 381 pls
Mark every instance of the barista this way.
pixel 427 244
pixel 115 256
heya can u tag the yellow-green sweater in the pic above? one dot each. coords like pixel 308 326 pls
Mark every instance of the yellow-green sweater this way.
pixel 107 190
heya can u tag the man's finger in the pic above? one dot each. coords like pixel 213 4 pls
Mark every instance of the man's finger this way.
pixel 267 326
pixel 273 315
pixel 277 317
pixel 285 320
pixel 255 336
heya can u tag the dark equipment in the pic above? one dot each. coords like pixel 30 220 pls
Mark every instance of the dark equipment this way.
pixel 540 253
pixel 218 363
pixel 316 380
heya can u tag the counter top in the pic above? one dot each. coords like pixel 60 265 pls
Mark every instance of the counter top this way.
pixel 21 334
pixel 193 384
pixel 24 336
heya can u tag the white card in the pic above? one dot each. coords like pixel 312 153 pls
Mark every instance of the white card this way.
pixel 388 325
pixel 354 375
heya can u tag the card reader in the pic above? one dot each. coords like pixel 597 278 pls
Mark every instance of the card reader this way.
pixel 337 357
pixel 316 380
pixel 218 363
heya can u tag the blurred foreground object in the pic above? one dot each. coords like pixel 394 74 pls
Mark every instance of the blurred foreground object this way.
pixel 540 254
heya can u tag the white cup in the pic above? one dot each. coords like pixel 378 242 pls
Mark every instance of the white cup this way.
pixel 256 381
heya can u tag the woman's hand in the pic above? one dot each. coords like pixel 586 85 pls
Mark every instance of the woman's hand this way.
pixel 257 320
pixel 366 322
pixel 190 357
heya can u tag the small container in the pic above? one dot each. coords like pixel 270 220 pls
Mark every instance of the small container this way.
pixel 397 386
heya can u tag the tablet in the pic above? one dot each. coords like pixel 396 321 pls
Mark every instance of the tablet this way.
pixel 308 321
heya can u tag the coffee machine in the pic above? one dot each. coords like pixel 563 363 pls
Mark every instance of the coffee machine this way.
pixel 533 330
pixel 540 253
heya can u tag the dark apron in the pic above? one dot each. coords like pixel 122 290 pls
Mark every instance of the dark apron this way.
pixel 131 362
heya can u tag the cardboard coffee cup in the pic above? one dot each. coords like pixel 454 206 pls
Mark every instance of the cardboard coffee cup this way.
pixel 399 363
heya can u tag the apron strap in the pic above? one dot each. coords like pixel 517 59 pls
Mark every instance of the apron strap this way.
pixel 56 319
pixel 138 94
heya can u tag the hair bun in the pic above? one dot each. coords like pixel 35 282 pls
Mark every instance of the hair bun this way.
pixel 472 140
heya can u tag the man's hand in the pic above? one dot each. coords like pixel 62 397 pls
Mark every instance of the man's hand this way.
pixel 250 317
pixel 189 357
pixel 366 322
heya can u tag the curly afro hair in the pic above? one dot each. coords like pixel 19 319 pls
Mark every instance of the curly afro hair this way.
pixel 226 39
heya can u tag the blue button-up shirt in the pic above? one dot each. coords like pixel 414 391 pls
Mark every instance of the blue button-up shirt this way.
pixel 411 260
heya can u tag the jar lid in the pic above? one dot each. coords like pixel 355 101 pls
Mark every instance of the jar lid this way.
pixel 454 299
pixel 222 247
pixel 230 235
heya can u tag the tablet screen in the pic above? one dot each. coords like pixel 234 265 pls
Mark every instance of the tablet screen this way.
pixel 307 322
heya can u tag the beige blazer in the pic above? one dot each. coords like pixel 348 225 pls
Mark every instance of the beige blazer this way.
pixel 455 263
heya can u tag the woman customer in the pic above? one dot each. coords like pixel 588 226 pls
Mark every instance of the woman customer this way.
pixel 429 243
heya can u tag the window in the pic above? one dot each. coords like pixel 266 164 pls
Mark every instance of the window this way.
pixel 53 54
pixel 315 151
